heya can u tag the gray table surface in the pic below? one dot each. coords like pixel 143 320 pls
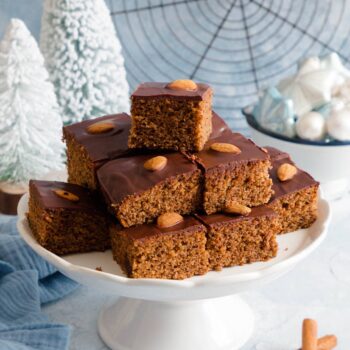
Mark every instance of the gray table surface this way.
pixel 319 288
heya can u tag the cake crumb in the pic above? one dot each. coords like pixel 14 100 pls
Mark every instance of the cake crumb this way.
pixel 98 268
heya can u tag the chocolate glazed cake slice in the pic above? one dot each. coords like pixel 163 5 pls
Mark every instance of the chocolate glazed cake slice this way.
pixel 240 239
pixel 235 171
pixel 140 188
pixel 67 218
pixel 92 143
pixel 171 116
pixel 151 251
pixel 295 199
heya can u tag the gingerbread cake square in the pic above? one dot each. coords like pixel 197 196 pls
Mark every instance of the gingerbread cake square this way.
pixel 136 192
pixel 237 239
pixel 236 170
pixel 91 143
pixel 171 116
pixel 295 200
pixel 148 251
pixel 67 218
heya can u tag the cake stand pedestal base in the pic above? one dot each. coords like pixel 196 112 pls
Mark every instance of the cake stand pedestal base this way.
pixel 222 324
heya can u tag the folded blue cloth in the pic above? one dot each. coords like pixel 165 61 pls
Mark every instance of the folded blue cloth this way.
pixel 26 282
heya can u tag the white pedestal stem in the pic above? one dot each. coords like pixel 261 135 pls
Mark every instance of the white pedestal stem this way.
pixel 211 324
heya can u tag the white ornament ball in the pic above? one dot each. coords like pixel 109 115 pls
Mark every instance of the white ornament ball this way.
pixel 337 104
pixel 338 124
pixel 310 64
pixel 311 126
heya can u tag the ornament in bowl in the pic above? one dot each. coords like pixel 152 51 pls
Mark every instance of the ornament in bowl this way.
pixel 308 115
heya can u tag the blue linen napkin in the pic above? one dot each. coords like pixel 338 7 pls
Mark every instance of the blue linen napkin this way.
pixel 26 282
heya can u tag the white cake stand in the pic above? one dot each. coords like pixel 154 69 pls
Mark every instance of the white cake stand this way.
pixel 202 312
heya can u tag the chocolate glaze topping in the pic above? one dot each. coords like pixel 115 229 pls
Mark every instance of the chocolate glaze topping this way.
pixel 209 158
pixel 220 218
pixel 122 177
pixel 143 232
pixel 276 154
pixel 160 90
pixel 107 145
pixel 301 180
pixel 219 127
pixel 42 191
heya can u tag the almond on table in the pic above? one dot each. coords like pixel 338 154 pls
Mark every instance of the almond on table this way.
pixel 310 341
pixel 327 342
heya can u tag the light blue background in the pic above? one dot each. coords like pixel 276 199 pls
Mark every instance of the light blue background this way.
pixel 237 46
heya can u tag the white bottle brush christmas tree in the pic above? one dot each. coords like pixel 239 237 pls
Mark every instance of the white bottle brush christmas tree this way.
pixel 30 124
pixel 83 56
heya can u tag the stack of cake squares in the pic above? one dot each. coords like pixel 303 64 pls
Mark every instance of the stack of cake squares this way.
pixel 171 189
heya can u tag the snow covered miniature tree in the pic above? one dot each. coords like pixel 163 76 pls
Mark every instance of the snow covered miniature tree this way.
pixel 84 60
pixel 30 124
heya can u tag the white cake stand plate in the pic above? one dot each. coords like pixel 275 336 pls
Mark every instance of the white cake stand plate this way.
pixel 202 312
